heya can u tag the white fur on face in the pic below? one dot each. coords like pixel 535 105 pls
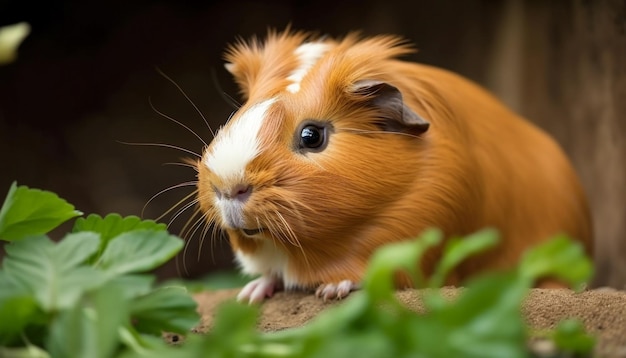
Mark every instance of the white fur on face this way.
pixel 236 145
pixel 308 54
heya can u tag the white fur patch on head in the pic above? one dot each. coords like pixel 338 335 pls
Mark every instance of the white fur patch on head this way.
pixel 236 145
pixel 308 54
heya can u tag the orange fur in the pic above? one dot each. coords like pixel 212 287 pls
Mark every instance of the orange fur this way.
pixel 478 165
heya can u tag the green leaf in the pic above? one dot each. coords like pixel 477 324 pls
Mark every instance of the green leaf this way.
pixel 485 321
pixel 234 326
pixel 570 336
pixel 52 272
pixel 11 37
pixel 90 329
pixel 27 212
pixel 113 225
pixel 398 256
pixel 558 258
pixel 134 285
pixel 457 250
pixel 164 309
pixel 30 351
pixel 139 251
pixel 17 309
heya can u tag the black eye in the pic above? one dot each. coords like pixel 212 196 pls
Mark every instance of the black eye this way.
pixel 312 137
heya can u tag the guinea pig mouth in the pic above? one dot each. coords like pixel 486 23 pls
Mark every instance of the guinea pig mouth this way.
pixel 251 232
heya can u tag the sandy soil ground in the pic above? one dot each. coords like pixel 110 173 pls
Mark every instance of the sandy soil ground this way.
pixel 603 311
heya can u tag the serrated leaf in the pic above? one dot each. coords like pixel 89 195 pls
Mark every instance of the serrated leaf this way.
pixel 558 258
pixel 114 225
pixel 28 212
pixel 139 251
pixel 458 250
pixel 90 329
pixel 164 309
pixel 51 272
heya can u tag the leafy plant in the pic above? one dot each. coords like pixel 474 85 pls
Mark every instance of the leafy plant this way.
pixel 32 212
pixel 88 294
pixel 484 321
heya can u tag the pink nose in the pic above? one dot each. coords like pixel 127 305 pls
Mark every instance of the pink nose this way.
pixel 239 192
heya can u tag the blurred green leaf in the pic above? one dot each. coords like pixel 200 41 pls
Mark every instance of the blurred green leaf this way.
pixel 458 250
pixel 51 272
pixel 212 281
pixel 30 351
pixel 558 258
pixel 164 309
pixel 139 251
pixel 90 329
pixel 401 256
pixel 134 285
pixel 485 321
pixel 17 308
pixel 10 39
pixel 32 212
pixel 570 336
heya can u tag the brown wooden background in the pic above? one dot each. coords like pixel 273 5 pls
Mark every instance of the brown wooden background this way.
pixel 85 76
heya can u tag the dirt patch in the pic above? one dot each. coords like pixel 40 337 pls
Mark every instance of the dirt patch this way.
pixel 603 311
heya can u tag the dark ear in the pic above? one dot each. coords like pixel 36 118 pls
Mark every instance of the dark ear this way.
pixel 395 115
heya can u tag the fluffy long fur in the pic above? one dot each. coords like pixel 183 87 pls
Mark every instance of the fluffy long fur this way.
pixel 478 165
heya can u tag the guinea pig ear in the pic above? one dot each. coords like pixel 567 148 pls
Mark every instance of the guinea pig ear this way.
pixel 397 117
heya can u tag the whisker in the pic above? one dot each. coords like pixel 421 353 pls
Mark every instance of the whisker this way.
pixel 284 229
pixel 207 223
pixel 177 261
pixel 225 96
pixel 181 185
pixel 182 210
pixel 185 269
pixel 231 116
pixel 163 145
pixel 176 205
pixel 269 223
pixel 176 121
pixel 293 209
pixel 194 167
pixel 363 131
pixel 188 224
pixel 187 239
pixel 190 229
pixel 188 99
pixel 216 234
pixel 198 225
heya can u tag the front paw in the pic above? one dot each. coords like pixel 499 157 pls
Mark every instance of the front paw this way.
pixel 257 290
pixel 329 291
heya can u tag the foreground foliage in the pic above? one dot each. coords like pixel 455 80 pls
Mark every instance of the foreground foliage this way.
pixel 89 296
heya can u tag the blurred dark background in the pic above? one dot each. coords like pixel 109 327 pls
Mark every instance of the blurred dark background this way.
pixel 86 75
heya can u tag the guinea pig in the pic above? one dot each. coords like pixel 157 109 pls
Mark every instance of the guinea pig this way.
pixel 341 148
